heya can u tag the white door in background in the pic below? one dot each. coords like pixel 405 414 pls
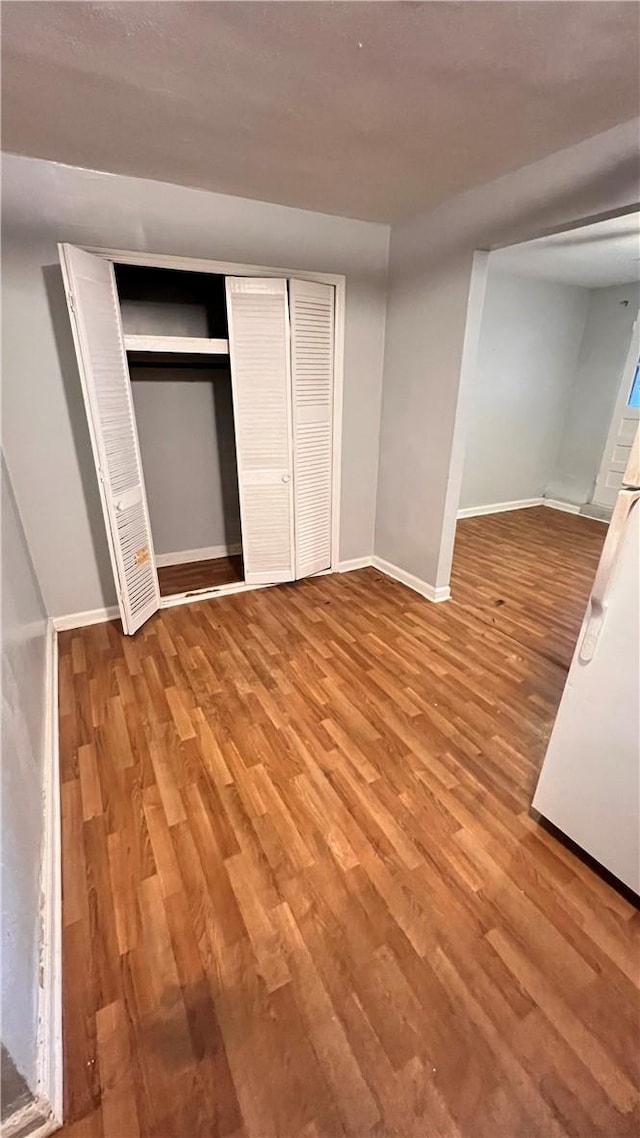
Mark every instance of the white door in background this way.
pixel 624 425
pixel 312 322
pixel 258 319
pixel 97 332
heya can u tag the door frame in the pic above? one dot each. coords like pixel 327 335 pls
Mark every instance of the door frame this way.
pixel 233 269
pixel 624 390
pixel 467 374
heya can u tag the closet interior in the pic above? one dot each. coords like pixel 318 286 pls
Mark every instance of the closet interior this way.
pixel 176 338
pixel 210 406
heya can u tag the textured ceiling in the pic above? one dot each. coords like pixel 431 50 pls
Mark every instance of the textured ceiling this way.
pixel 370 110
pixel 594 256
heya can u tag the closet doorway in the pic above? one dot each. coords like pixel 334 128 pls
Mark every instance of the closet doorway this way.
pixel 213 398
pixel 183 409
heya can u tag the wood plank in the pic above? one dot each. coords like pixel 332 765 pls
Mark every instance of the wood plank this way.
pixel 190 576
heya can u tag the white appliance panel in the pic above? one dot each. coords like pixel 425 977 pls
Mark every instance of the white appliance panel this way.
pixel 589 786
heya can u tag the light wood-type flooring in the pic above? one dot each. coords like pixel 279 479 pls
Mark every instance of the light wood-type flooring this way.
pixel 303 893
pixel 193 575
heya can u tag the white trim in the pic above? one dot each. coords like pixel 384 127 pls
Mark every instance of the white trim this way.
pixel 422 587
pixel 206 553
pixel 194 345
pixel 355 563
pixel 339 313
pixel 526 504
pixel 565 507
pixel 82 619
pixel 594 513
pixel 49 1046
pixel 35 1120
pixel 99 616
pixel 500 507
pixel 202 265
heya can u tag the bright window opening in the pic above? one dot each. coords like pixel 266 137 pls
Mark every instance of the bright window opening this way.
pixel 634 394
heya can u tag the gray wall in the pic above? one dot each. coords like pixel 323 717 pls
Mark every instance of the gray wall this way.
pixel 526 365
pixel 47 440
pixel 603 352
pixel 23 723
pixel 185 428
pixel 430 269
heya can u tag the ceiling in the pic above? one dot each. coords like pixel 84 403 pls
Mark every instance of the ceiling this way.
pixel 595 256
pixel 369 110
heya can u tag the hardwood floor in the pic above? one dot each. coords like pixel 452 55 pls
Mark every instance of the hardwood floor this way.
pixel 194 575
pixel 303 895
pixel 528 573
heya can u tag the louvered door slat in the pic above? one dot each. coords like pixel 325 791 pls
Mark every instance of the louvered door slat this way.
pixel 312 316
pixel 97 333
pixel 258 321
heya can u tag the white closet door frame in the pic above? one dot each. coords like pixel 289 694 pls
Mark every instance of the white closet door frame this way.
pixel 132 618
pixel 233 269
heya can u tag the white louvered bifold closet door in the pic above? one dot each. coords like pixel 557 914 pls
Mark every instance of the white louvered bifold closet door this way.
pixel 97 332
pixel 312 320
pixel 258 318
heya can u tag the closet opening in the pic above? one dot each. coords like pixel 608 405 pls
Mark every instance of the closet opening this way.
pixel 171 303
pixel 211 404
pixel 175 330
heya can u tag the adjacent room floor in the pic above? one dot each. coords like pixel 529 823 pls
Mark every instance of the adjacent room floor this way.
pixel 303 895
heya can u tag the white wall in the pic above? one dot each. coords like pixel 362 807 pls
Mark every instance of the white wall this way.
pixel 23 724
pixel 430 271
pixel 603 352
pixel 47 441
pixel 528 350
pixel 185 428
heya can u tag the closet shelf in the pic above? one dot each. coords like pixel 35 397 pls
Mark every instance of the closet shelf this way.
pixel 185 345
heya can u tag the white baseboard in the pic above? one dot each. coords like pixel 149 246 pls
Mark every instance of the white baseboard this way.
pixel 354 563
pixel 430 592
pixel 50 1054
pixel 422 587
pixel 524 504
pixel 99 616
pixel 82 619
pixel 34 1120
pixel 207 553
pixel 564 507
pixel 500 507
pixel 596 513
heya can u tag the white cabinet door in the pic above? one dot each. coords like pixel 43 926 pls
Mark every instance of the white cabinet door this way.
pixel 97 333
pixel 624 427
pixel 258 318
pixel 312 321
